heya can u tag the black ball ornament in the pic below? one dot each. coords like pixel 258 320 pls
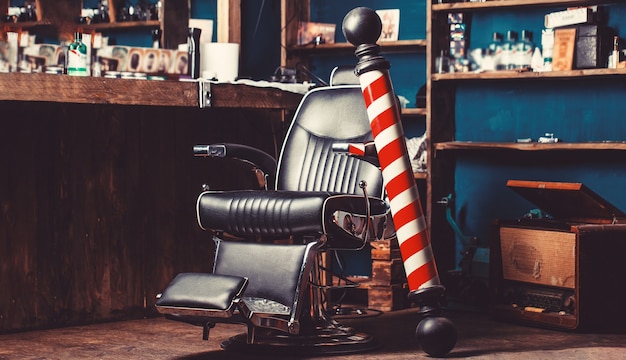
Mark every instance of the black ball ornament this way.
pixel 436 335
pixel 362 26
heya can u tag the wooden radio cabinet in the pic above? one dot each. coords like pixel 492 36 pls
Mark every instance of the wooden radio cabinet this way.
pixel 565 271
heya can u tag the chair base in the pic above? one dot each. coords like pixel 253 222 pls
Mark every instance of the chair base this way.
pixel 325 342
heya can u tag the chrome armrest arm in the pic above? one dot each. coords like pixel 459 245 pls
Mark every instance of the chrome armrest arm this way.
pixel 364 151
pixel 263 163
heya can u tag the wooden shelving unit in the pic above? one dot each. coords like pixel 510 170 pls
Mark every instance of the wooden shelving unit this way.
pixel 174 23
pixel 445 150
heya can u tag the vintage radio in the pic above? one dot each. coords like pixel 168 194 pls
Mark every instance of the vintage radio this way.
pixel 566 271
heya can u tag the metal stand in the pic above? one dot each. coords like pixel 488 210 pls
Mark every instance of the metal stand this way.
pixel 320 334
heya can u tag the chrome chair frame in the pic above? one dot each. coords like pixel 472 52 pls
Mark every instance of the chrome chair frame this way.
pixel 320 201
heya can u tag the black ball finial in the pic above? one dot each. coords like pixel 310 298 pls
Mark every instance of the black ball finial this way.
pixel 362 26
pixel 436 335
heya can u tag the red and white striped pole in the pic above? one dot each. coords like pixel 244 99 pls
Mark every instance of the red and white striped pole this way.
pixel 436 334
pixel 404 201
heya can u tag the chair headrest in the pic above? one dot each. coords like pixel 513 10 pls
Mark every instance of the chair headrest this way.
pixel 343 75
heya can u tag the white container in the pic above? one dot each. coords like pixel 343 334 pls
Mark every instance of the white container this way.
pixel 219 60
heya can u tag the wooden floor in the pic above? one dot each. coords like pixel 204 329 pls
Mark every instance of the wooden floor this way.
pixel 480 337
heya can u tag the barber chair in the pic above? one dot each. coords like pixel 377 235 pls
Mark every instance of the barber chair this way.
pixel 268 272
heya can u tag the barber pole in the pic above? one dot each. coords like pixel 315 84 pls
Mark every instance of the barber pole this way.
pixel 398 179
pixel 435 333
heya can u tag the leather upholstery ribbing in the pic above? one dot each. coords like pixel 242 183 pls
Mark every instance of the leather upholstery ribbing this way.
pixel 307 161
pixel 264 213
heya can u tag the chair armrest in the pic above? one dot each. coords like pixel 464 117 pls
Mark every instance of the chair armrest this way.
pixel 253 156
pixel 364 151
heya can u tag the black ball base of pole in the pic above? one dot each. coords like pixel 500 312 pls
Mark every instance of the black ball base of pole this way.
pixel 435 334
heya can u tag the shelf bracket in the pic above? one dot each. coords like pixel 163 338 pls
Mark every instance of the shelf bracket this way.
pixel 204 94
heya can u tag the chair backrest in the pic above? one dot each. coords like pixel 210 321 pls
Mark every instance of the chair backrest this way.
pixel 344 75
pixel 328 115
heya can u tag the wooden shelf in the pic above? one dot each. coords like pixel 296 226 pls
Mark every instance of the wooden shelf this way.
pixel 491 4
pixel 101 26
pixel 512 74
pixel 90 90
pixel 386 46
pixel 414 112
pixel 581 146
pixel 120 25
pixel 25 24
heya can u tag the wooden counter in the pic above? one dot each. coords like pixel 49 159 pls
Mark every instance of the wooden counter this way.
pixel 98 185
pixel 89 90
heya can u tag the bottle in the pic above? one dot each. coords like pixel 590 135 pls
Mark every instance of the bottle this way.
pixel 77 57
pixel 103 5
pixel 509 49
pixel 96 67
pixel 193 48
pixel 536 63
pixel 495 50
pixel 23 65
pixel 547 43
pixel 156 38
pixel 30 9
pixel 614 57
pixel 525 48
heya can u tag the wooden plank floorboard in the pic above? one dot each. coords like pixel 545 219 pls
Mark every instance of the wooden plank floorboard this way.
pixel 480 337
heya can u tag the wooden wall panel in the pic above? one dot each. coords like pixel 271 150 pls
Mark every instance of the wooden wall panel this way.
pixel 97 204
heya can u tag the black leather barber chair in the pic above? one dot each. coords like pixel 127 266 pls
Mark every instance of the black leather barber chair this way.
pixel 320 200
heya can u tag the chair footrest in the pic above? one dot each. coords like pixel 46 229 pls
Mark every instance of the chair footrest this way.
pixel 266 306
pixel 202 294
